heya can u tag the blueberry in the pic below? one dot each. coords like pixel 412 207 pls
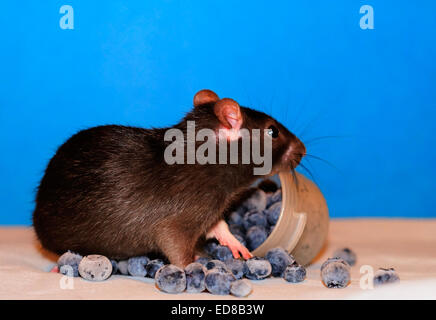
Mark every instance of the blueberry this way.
pixel 195 277
pixel 273 213
pixel 209 246
pixel 237 267
pixel 275 197
pixel 216 264
pixel 203 260
pixel 234 218
pixel 257 201
pixel 346 254
pixel 385 276
pixel 123 267
pixel 330 260
pixel 70 259
pixel 218 282
pixel 114 266
pixel 237 230
pixel 294 273
pixel 152 267
pixel 268 186
pixel 95 267
pixel 255 237
pixel 222 253
pixel 241 288
pixel 335 273
pixel 257 268
pixel 241 210
pixel 279 260
pixel 171 279
pixel 241 239
pixel 136 266
pixel 254 218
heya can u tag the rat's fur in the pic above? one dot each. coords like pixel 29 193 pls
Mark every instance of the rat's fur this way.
pixel 109 191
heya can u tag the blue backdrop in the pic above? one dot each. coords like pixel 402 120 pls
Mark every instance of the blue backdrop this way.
pixel 308 63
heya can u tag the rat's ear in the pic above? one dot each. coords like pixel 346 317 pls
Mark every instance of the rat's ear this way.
pixel 205 96
pixel 229 113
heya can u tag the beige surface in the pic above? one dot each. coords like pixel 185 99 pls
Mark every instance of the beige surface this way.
pixel 407 245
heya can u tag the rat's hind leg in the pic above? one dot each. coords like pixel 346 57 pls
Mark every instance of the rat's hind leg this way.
pixel 179 250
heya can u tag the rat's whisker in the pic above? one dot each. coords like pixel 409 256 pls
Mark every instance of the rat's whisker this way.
pixel 295 177
pixel 309 172
pixel 323 160
pixel 323 138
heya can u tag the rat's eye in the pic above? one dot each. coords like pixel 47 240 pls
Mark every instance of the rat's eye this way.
pixel 273 131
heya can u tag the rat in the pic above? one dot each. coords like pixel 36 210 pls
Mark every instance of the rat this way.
pixel 109 190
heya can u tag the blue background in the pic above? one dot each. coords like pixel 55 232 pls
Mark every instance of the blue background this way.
pixel 308 63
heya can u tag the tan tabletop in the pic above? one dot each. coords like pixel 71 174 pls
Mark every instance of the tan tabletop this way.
pixel 407 245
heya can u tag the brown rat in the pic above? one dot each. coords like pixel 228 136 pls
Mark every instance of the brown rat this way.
pixel 109 190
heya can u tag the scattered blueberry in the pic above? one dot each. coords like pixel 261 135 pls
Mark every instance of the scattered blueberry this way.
pixel 171 279
pixel 257 268
pixel 216 264
pixel 241 288
pixel 254 218
pixel 234 218
pixel 275 197
pixel 257 201
pixel 237 267
pixel 346 254
pixel 385 276
pixel 71 259
pixel 218 282
pixel 114 266
pixel 241 210
pixel 335 273
pixel 195 277
pixel 279 260
pixel 330 260
pixel 273 213
pixel 269 229
pixel 294 273
pixel 255 237
pixel 203 260
pixel 210 246
pixel 222 253
pixel 95 268
pixel 237 230
pixel 136 266
pixel 123 267
pixel 152 267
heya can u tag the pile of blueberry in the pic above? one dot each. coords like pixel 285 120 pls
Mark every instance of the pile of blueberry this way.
pixel 224 274
pixel 253 221
pixel 219 274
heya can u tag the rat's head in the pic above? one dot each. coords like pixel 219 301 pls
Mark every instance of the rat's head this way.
pixel 229 120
